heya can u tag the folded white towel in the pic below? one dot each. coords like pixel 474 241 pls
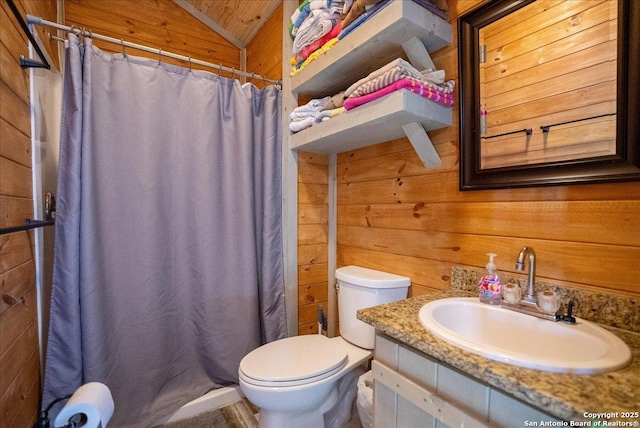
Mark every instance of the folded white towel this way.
pixel 399 62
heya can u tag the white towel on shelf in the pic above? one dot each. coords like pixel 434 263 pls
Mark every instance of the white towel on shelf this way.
pixel 299 125
pixel 309 109
pixel 305 115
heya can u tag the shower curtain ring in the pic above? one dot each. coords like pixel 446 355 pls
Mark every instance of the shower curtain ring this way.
pixel 233 73
pixel 159 56
pixel 190 69
pixel 219 69
pixel 90 34
pixel 124 53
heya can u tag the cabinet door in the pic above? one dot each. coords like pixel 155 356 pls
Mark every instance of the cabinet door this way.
pixel 412 389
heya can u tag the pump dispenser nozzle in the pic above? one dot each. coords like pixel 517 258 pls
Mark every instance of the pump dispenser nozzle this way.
pixel 491 265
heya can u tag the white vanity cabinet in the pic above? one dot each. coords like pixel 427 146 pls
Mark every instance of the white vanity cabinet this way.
pixel 412 389
pixel 402 26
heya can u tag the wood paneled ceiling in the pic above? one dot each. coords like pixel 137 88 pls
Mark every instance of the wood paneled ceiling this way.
pixel 236 20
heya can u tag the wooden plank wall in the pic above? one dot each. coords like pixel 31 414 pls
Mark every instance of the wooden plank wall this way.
pixel 264 56
pixel 264 52
pixel 20 382
pixel 550 62
pixel 313 238
pixel 158 24
pixel 395 215
pixel 155 23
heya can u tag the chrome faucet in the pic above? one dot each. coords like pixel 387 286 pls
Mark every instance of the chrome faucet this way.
pixel 531 278
pixel 529 303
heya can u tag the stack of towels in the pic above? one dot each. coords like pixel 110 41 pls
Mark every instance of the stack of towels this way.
pixel 314 22
pixel 398 74
pixel 317 25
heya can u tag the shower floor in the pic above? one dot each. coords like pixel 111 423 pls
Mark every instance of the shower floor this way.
pixel 241 414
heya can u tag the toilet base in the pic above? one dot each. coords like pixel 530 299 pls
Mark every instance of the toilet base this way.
pixel 335 410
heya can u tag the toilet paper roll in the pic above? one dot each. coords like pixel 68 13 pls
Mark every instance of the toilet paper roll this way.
pixel 94 400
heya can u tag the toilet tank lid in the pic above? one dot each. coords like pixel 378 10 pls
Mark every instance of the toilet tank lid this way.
pixel 371 278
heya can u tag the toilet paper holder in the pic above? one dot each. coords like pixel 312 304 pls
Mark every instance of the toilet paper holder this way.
pixel 75 421
pixel 43 418
pixel 90 406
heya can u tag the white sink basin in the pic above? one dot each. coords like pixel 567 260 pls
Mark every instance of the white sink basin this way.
pixel 524 340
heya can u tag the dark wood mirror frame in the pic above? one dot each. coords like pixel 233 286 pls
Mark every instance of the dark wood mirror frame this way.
pixel 623 166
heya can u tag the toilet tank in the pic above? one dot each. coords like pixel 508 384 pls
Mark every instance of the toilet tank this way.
pixel 360 288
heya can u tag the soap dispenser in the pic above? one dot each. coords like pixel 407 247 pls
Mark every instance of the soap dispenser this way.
pixel 490 285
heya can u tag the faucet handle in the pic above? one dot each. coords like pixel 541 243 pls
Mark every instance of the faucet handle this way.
pixel 569 319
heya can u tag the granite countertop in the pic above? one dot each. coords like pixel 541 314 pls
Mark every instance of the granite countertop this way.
pixel 566 396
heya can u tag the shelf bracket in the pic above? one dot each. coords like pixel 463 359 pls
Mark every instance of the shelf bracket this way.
pixel 418 55
pixel 422 144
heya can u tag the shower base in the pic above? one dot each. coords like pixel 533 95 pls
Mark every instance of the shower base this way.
pixel 210 401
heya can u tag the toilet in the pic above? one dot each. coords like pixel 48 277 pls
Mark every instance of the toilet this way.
pixel 311 380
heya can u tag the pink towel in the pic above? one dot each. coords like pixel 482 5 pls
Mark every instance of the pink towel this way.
pixel 408 84
pixel 304 53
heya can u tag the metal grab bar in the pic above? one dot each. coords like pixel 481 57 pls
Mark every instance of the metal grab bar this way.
pixel 28 224
pixel 527 131
pixel 26 62
pixel 545 128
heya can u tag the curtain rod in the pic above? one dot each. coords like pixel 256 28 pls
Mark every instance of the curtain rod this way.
pixel 36 20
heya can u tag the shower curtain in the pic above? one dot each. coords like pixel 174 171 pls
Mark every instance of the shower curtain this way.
pixel 168 258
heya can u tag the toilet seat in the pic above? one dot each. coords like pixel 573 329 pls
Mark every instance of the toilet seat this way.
pixel 293 361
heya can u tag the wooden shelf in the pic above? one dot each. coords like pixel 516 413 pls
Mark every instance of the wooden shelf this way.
pixel 372 123
pixel 373 44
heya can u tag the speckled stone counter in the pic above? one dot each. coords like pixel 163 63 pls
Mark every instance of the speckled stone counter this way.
pixel 566 396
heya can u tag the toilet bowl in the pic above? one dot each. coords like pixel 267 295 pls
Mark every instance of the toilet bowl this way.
pixel 311 380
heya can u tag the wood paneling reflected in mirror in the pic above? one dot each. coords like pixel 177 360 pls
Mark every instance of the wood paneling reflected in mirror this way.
pixel 549 64
pixel 561 80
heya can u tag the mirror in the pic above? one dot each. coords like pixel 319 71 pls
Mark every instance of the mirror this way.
pixel 549 93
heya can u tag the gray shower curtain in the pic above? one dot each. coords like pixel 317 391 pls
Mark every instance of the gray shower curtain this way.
pixel 168 257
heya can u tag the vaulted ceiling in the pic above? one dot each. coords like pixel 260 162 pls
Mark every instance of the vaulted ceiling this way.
pixel 236 20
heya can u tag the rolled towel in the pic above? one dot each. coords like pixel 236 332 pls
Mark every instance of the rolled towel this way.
pixel 309 109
